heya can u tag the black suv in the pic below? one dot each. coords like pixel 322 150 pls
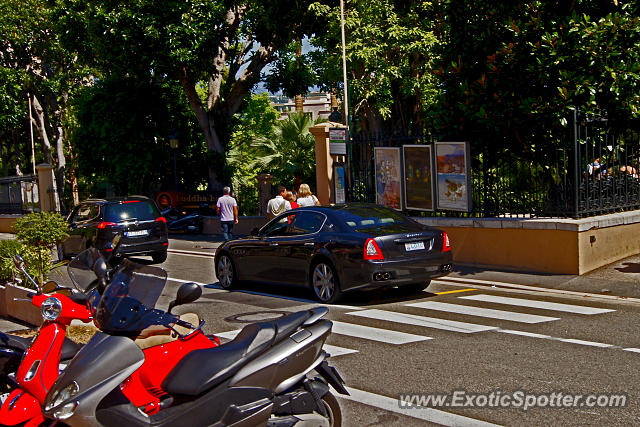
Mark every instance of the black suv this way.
pixel 95 221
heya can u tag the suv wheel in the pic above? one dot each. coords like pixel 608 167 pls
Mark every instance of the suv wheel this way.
pixel 159 257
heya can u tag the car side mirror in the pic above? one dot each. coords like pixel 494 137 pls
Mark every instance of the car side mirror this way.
pixel 255 231
pixel 187 293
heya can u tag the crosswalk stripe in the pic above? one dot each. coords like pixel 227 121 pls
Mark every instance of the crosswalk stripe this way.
pixel 634 350
pixel 568 308
pixel 428 322
pixel 375 334
pixel 548 337
pixel 333 350
pixel 426 414
pixel 482 312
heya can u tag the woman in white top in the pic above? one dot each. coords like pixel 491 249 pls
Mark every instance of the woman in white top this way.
pixel 305 198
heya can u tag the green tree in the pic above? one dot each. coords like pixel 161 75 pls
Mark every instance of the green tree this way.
pixel 220 46
pixel 127 147
pixel 511 71
pixel 390 49
pixel 41 231
pixel 290 152
pixel 35 64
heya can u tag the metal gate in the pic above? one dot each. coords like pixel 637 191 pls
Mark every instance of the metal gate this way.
pixel 19 194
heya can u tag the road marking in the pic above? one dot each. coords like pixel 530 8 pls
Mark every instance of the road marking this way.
pixel 428 322
pixel 567 340
pixel 426 414
pixel 358 331
pixel 482 312
pixel 455 281
pixel 569 308
pixel 634 350
pixel 375 334
pixel 264 294
pixel 191 253
pixel 456 291
pixel 333 350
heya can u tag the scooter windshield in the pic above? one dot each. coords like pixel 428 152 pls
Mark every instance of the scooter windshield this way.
pixel 80 269
pixel 127 304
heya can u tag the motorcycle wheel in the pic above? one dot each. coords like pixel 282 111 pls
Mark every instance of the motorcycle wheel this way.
pixel 333 410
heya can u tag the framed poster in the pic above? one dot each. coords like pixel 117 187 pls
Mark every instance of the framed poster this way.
pixel 388 178
pixel 453 179
pixel 418 177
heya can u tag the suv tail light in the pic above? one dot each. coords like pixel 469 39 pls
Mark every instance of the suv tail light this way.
pixel 372 250
pixel 106 224
pixel 161 219
pixel 446 246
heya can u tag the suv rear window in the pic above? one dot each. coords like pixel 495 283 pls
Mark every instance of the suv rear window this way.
pixel 141 210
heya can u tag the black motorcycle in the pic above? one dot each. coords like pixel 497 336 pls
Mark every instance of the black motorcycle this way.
pixel 182 221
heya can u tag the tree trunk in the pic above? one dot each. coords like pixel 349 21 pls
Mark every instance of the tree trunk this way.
pixel 40 122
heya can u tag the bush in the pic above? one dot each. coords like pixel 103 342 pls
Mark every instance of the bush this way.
pixel 40 232
pixel 31 256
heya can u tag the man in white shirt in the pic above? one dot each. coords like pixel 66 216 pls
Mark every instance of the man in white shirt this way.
pixel 278 204
pixel 228 210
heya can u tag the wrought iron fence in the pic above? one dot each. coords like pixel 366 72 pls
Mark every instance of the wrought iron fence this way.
pixel 19 194
pixel 593 168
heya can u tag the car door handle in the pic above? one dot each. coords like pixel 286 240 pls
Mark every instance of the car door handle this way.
pixel 273 244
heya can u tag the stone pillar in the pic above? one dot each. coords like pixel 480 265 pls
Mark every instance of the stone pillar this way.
pixel 46 190
pixel 324 162
pixel 264 192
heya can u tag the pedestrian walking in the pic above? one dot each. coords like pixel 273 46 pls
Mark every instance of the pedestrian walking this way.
pixel 278 204
pixel 227 208
pixel 305 197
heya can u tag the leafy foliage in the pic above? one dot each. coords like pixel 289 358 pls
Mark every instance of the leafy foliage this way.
pixel 40 232
pixel 390 50
pixel 127 146
pixel 30 255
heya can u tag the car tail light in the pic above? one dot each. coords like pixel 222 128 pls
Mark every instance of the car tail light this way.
pixel 161 219
pixel 106 224
pixel 372 250
pixel 446 246
pixel 131 201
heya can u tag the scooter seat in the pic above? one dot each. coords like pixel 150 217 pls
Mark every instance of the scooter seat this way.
pixel 201 370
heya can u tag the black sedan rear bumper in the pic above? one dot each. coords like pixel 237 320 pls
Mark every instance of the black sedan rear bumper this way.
pixel 376 274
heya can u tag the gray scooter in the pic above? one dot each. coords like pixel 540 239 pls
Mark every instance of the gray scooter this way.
pixel 262 377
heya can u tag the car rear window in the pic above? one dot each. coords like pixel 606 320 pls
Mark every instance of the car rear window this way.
pixel 140 210
pixel 370 216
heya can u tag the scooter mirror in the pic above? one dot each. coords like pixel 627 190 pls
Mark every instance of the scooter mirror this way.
pixel 187 293
pixel 49 287
pixel 100 268
pixel 18 262
pixel 115 243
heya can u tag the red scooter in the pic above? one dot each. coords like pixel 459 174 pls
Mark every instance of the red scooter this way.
pixel 40 365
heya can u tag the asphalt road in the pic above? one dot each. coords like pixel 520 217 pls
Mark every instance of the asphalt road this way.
pixel 465 338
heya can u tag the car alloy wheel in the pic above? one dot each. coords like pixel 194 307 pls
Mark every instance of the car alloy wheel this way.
pixel 225 272
pixel 325 283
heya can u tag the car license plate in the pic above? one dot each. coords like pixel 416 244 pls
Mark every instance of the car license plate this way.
pixel 136 233
pixel 414 246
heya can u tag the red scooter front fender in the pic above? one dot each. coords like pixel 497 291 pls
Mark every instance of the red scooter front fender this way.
pixel 21 407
